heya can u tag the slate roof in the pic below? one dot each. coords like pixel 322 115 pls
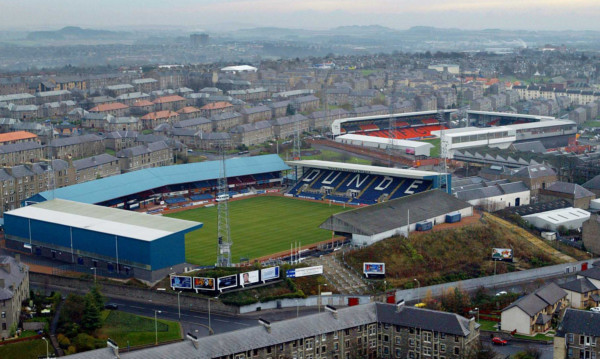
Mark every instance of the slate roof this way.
pixel 532 146
pixel 534 171
pixel 13 277
pixel 594 183
pixel 121 134
pixel 579 322
pixel 255 109
pixel 570 188
pixel 535 302
pixel 196 121
pixel 93 161
pixel 392 214
pixel 74 140
pixel 581 285
pixel 16 147
pixel 142 149
pixel 593 273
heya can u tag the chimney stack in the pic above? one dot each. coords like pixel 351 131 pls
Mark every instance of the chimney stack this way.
pixel 400 305
pixel 18 257
pixel 115 348
pixel 1 282
pixel 194 340
pixel 265 323
pixel 333 310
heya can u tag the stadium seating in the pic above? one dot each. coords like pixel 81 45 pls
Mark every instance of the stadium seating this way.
pixel 409 187
pixel 406 132
pixel 175 200
pixel 430 121
pixel 201 197
pixel 369 127
pixel 356 181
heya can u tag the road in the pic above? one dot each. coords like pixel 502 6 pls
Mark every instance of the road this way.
pixel 546 350
pixel 193 321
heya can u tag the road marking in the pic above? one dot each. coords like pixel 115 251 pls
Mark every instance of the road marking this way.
pixel 221 320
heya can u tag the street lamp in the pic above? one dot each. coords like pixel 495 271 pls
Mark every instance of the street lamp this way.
pixel 473 311
pixel 209 327
pixel 325 285
pixel 418 289
pixel 179 305
pixel 156 326
pixel 94 269
pixel 46 340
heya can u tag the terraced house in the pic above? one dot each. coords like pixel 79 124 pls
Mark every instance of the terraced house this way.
pixel 77 146
pixel 154 154
pixel 23 152
pixel 373 330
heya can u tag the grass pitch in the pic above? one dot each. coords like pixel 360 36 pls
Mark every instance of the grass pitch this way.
pixel 259 226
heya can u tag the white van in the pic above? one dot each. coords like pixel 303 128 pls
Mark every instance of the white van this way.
pixel 222 197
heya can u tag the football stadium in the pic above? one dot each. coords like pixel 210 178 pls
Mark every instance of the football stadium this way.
pixel 263 222
pixel 483 128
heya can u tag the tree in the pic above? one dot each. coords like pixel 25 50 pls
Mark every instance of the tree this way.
pixel 90 320
pixel 98 297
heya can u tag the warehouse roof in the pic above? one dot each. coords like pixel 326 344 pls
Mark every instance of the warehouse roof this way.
pixel 570 188
pixel 105 219
pixel 394 214
pixel 105 189
pixel 562 215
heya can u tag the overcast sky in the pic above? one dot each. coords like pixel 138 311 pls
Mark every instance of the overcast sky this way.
pixel 314 14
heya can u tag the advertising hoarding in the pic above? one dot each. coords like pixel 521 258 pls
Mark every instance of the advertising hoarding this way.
pixel 502 254
pixel 202 283
pixel 181 282
pixel 373 268
pixel 269 273
pixel 303 272
pixel 248 278
pixel 229 281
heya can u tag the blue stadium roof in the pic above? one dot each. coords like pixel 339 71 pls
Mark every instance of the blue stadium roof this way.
pixel 108 188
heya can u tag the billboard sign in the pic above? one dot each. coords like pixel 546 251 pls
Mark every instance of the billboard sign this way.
pixel 269 273
pixel 303 272
pixel 410 151
pixel 248 278
pixel 502 254
pixel 229 281
pixel 373 268
pixel 202 283
pixel 181 282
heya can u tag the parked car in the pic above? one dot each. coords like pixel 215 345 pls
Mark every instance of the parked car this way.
pixel 499 341
pixel 595 309
pixel 111 306
pixel 501 293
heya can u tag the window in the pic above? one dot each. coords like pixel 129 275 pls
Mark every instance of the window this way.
pixel 442 335
pixel 347 343
pixel 336 346
pixel 456 350
pixel 386 338
pixel 3 314
pixel 427 337
pixel 398 353
pixel 372 344
pixel 570 335
pixel 347 332
pixel 456 339
pixel 411 342
pixel 309 345
pixel 426 351
pixel 386 350
pixel 398 340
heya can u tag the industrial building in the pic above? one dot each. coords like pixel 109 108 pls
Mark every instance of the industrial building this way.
pixel 491 195
pixel 570 218
pixel 126 243
pixel 368 225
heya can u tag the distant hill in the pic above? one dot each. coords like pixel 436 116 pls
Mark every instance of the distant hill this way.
pixel 76 33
